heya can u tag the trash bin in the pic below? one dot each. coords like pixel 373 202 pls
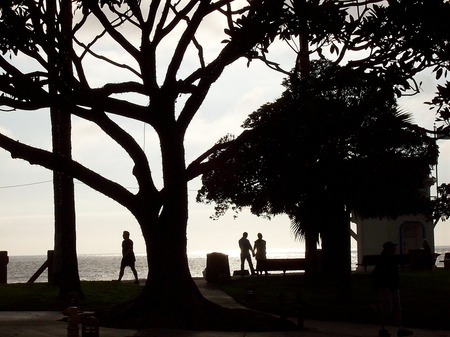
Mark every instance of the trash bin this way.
pixel 217 268
pixel 447 261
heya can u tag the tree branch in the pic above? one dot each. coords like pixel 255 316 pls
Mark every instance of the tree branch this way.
pixel 273 65
pixel 179 15
pixel 141 166
pixel 255 27
pixel 217 154
pixel 25 90
pixel 118 37
pixel 185 40
pixel 96 98
pixel 53 162
pixel 87 49
pixel 153 11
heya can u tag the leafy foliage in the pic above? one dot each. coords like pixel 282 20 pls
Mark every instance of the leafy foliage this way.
pixel 442 203
pixel 379 162
pixel 16 27
pixel 337 139
pixel 413 35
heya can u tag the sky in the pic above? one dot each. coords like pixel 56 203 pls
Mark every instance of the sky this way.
pixel 26 200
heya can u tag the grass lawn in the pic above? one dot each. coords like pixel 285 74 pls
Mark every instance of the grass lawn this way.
pixel 425 297
pixel 42 296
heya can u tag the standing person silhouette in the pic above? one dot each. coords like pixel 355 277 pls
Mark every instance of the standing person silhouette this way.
pixel 259 249
pixel 128 258
pixel 246 248
pixel 386 283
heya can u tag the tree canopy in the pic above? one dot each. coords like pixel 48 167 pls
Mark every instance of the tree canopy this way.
pixel 346 141
pixel 164 69
pixel 130 39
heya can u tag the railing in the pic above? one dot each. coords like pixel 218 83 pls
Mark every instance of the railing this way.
pixel 4 259
pixel 48 264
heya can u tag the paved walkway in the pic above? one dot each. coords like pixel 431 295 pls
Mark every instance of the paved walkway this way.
pixel 49 324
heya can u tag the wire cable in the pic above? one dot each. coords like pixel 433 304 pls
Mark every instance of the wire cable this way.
pixel 24 185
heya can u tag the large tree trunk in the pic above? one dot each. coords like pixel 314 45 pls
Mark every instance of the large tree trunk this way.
pixel 312 254
pixel 170 298
pixel 336 251
pixel 65 266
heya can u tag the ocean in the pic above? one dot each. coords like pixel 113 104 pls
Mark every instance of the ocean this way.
pixel 105 267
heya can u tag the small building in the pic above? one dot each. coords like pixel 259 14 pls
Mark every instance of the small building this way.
pixel 408 232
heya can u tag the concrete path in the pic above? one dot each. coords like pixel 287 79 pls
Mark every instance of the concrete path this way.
pixel 44 324
pixel 49 324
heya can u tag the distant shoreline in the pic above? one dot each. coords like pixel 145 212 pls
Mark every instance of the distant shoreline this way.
pixel 203 253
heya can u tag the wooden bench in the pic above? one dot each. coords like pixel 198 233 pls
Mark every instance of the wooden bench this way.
pixel 446 261
pixel 280 265
pixel 371 260
pixel 368 261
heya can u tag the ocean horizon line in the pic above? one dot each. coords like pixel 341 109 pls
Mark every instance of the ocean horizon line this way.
pixel 105 266
pixel 203 253
pixel 231 252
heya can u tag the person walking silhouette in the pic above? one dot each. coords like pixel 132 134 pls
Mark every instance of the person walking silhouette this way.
pixel 128 257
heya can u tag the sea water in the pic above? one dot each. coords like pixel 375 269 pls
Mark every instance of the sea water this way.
pixel 105 267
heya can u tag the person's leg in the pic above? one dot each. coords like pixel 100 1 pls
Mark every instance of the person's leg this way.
pixel 122 269
pixel 133 269
pixel 250 264
pixel 385 306
pixel 242 262
pixel 397 310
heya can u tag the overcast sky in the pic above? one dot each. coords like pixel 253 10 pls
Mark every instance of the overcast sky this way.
pixel 26 202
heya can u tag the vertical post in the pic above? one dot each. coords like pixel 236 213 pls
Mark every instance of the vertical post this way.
pixel 300 309
pixel 4 259
pixel 50 273
pixel 89 327
pixel 72 321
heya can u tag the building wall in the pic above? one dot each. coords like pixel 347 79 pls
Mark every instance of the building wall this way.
pixel 406 231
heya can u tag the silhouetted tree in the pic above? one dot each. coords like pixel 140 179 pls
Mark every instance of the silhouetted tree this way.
pixel 65 269
pixel 170 297
pixel 348 150
pixel 400 39
pixel 167 100
pixel 441 101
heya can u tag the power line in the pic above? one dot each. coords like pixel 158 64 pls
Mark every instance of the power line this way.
pixel 24 185
pixel 76 182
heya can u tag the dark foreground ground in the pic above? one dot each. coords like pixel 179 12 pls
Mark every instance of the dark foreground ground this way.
pixel 425 286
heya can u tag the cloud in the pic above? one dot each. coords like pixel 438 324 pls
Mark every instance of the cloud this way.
pixel 6 131
pixel 238 92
